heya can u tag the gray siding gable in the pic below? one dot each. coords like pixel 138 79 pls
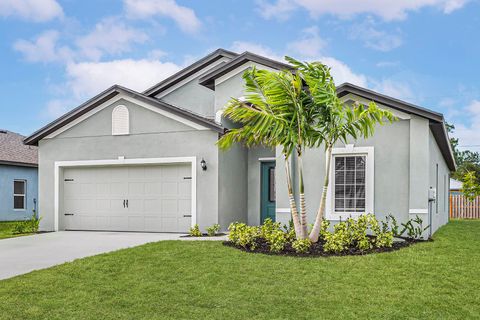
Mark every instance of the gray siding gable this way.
pixel 142 121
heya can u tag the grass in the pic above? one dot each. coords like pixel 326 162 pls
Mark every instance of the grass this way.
pixel 206 280
pixel 6 230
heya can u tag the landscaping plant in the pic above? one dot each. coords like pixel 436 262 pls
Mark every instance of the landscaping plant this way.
pixel 213 230
pixel 28 226
pixel 298 109
pixel 195 231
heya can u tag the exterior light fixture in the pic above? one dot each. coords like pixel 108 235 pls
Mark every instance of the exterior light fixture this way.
pixel 203 164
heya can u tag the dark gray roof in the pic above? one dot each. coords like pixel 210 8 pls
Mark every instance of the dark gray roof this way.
pixel 107 95
pixel 14 152
pixel 188 71
pixel 437 121
pixel 208 80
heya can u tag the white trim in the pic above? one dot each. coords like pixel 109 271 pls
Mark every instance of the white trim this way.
pixel 267 159
pixel 120 125
pixel 122 162
pixel 369 187
pixel 165 92
pixel 24 195
pixel 282 210
pixel 241 68
pixel 417 211
pixel 129 99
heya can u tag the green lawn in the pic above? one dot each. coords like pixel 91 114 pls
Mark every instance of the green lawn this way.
pixel 6 228
pixel 205 280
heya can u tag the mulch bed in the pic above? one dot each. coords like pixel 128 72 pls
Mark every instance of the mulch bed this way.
pixel 204 235
pixel 317 249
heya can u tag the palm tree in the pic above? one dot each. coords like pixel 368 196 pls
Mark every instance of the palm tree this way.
pixel 298 109
pixel 271 115
pixel 334 120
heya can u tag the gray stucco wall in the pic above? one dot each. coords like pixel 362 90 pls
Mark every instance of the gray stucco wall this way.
pixel 193 96
pixel 232 181
pixel 8 174
pixel 228 89
pixel 391 173
pixel 440 207
pixel 152 136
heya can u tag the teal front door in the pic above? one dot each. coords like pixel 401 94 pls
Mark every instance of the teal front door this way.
pixel 267 198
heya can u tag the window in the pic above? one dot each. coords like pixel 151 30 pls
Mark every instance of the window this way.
pixel 271 185
pixel 349 184
pixel 19 194
pixel 351 189
pixel 120 121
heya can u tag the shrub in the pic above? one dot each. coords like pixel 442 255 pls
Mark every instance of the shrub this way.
pixel 213 230
pixel 195 231
pixel 302 245
pixel 276 240
pixel 27 226
pixel 290 231
pixel 243 235
pixel 414 228
pixel 354 234
pixel 269 227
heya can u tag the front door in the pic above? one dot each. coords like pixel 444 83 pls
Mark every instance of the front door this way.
pixel 267 197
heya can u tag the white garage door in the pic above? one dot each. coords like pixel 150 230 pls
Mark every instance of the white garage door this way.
pixel 128 198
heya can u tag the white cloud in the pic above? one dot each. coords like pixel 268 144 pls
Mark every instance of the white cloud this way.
pixel 376 39
pixel 341 72
pixel 87 79
pixel 280 10
pixel 388 10
pixel 469 134
pixel 110 36
pixel 395 89
pixel 57 107
pixel 44 48
pixel 310 43
pixel 184 17
pixel 31 10
pixel 241 46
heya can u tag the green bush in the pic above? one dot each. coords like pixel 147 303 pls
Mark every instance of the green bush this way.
pixel 276 240
pixel 353 233
pixel 302 245
pixel 414 228
pixel 195 231
pixel 243 235
pixel 27 226
pixel 269 227
pixel 213 230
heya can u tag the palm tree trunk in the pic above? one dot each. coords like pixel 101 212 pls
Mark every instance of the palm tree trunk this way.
pixel 291 198
pixel 314 235
pixel 303 207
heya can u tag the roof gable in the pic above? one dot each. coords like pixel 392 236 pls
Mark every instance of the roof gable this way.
pixel 208 80
pixel 436 120
pixel 188 71
pixel 107 95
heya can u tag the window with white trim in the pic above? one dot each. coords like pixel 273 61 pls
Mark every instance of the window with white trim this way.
pixel 19 194
pixel 351 188
pixel 120 121
pixel 349 182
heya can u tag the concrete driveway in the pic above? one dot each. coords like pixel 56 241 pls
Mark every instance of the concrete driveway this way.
pixel 24 254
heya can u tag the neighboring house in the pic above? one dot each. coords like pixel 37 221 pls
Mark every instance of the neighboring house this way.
pixel 131 161
pixel 455 186
pixel 18 177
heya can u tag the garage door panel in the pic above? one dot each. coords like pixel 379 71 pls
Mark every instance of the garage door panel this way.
pixel 158 196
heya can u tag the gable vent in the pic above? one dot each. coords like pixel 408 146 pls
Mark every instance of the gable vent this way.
pixel 120 121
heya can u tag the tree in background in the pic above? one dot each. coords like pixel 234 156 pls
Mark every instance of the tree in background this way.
pixel 468 167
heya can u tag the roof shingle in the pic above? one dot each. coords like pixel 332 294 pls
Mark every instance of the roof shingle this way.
pixel 14 151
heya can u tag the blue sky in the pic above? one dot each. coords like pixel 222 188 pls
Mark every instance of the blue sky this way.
pixel 55 54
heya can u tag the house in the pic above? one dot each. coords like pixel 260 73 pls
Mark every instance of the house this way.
pixel 130 161
pixel 18 177
pixel 455 186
